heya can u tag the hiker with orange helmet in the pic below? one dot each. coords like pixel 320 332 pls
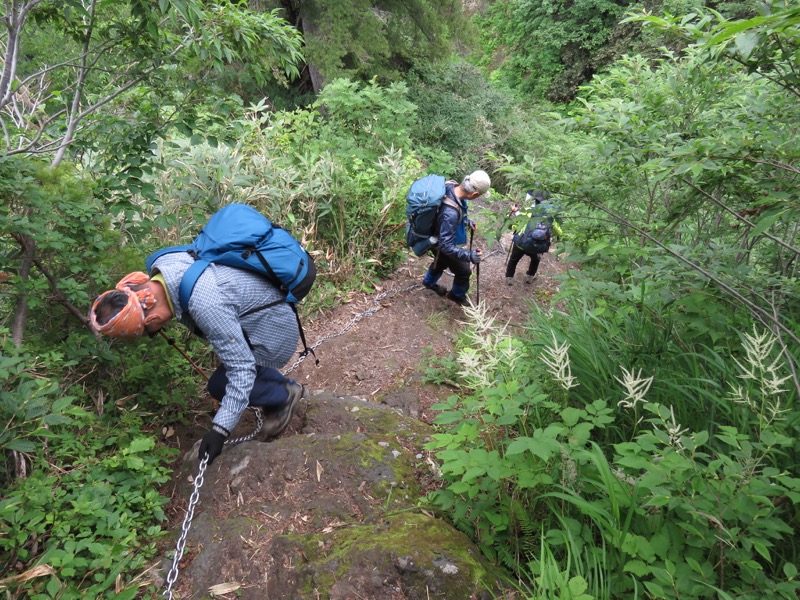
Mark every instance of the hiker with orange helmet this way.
pixel 243 316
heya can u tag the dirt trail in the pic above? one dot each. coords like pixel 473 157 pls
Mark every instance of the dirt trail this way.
pixel 386 349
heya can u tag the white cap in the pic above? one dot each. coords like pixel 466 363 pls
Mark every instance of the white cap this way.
pixel 480 182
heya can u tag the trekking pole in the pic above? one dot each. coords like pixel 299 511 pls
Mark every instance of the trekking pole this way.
pixel 477 269
pixel 174 344
pixel 478 283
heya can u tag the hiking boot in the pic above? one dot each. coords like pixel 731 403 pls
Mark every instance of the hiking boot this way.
pixel 529 278
pixel 439 289
pixel 509 281
pixel 276 420
pixel 462 301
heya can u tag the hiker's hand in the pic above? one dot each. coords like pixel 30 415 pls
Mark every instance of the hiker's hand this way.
pixel 514 208
pixel 472 225
pixel 212 445
pixel 475 257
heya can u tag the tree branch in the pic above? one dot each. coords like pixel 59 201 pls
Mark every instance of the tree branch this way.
pixel 759 313
pixel 62 299
pixel 736 215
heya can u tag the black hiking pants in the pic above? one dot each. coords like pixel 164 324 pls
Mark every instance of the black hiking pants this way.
pixel 460 269
pixel 516 254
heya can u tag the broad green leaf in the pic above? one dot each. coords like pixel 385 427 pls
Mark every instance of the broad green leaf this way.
pixel 141 444
pixel 694 565
pixel 637 567
pixel 577 585
pixel 54 419
pixel 766 222
pixel 658 500
pixel 746 43
pixel 734 29
pixel 596 247
pixel 572 415
pixel 61 403
pixel 448 417
pixel 22 446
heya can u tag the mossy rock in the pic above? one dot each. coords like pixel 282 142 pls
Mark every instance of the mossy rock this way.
pixel 327 511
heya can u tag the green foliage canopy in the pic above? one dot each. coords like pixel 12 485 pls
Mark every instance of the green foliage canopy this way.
pixel 548 49
pixel 365 39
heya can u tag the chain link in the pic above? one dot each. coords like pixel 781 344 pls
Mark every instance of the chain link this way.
pixel 187 523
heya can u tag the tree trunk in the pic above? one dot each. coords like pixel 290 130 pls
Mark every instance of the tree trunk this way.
pixel 21 311
pixel 308 29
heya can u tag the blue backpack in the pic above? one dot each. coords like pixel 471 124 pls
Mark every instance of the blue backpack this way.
pixel 424 198
pixel 239 236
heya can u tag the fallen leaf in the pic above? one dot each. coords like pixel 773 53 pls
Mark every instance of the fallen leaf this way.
pixel 224 588
pixel 123 401
pixel 37 571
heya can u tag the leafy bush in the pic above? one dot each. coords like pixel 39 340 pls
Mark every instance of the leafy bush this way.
pixel 81 506
pixel 32 408
pixel 85 527
pixel 545 49
pixel 464 122
pixel 577 497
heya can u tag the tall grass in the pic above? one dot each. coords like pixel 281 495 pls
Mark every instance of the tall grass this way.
pixel 593 469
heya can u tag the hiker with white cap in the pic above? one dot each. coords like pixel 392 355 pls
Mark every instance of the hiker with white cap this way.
pixel 451 231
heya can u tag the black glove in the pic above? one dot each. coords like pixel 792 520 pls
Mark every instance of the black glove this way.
pixel 474 257
pixel 212 445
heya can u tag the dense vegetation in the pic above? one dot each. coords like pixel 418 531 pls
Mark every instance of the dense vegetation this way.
pixel 641 442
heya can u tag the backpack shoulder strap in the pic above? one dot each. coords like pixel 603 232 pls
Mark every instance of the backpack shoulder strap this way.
pixel 188 282
pixel 159 253
pixel 306 348
pixel 448 201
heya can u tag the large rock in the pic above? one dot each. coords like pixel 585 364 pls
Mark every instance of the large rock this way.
pixel 329 512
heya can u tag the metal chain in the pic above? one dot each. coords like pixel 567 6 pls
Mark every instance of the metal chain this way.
pixel 187 522
pixel 249 436
pixel 367 313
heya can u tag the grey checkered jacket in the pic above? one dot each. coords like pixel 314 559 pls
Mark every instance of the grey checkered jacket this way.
pixel 221 307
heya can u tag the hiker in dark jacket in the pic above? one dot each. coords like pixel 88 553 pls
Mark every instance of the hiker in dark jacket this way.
pixel 251 344
pixel 539 208
pixel 452 224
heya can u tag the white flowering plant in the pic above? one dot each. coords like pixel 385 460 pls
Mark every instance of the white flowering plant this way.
pixel 673 506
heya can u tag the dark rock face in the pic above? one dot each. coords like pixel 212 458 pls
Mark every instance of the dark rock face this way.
pixel 328 512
